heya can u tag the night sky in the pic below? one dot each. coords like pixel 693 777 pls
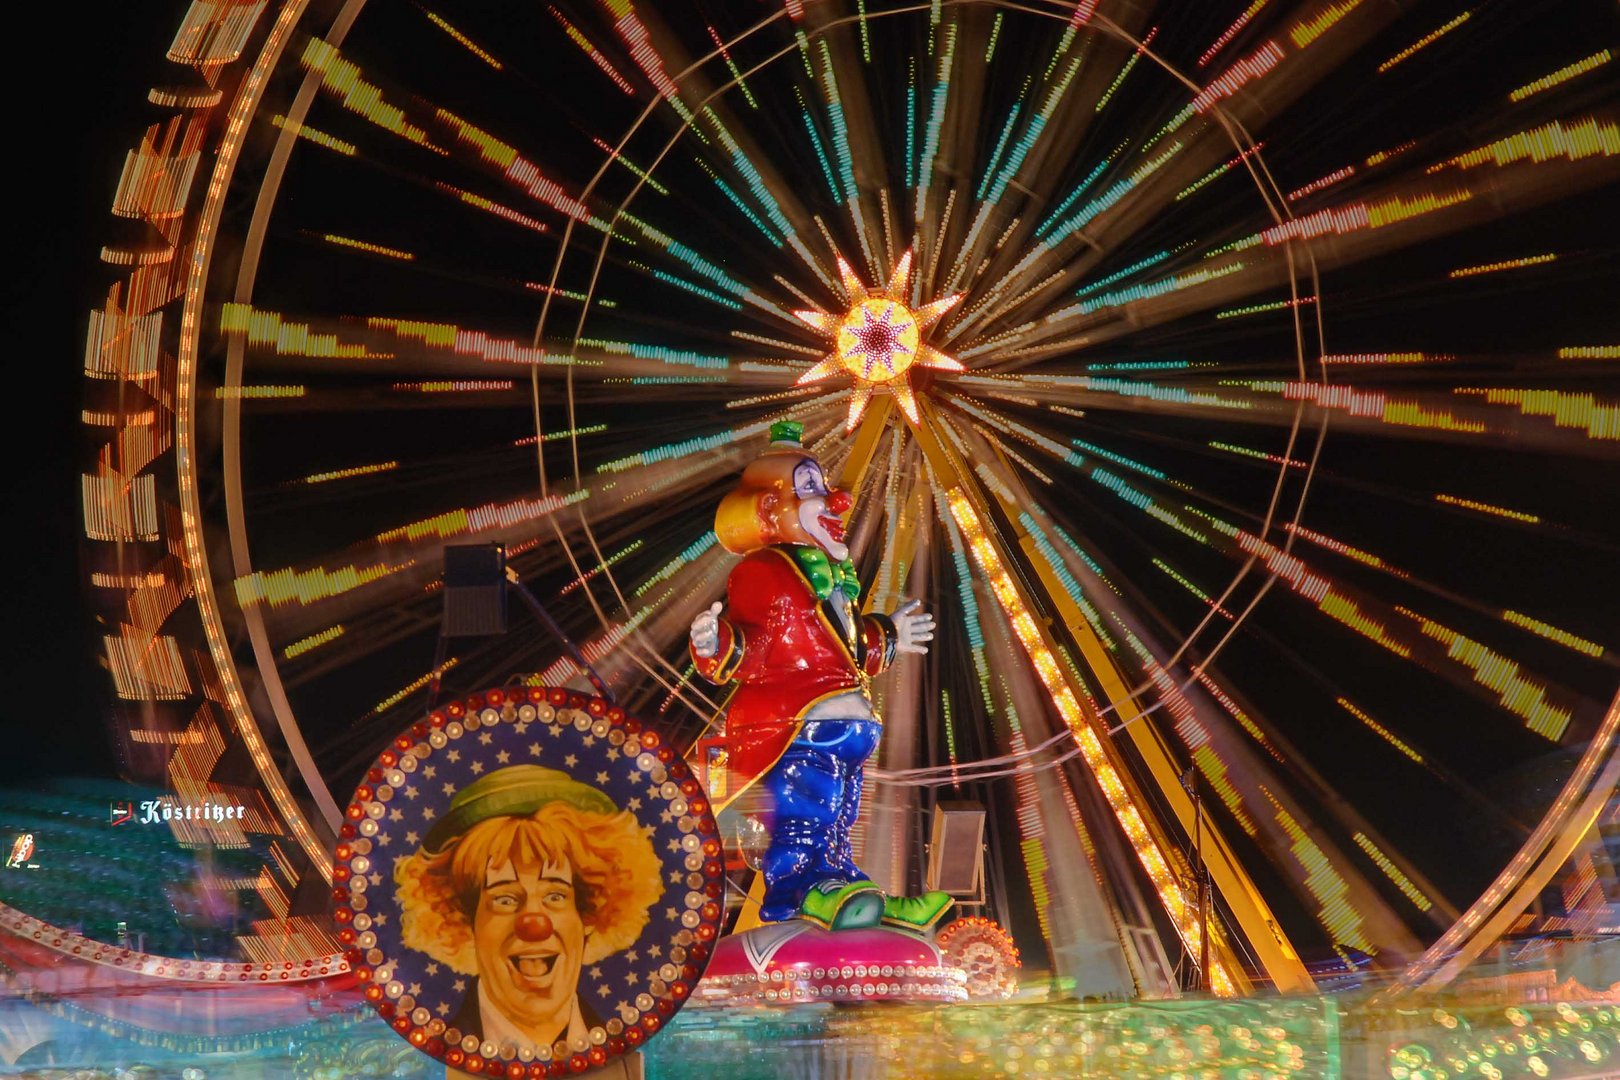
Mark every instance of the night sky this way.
pixel 75 140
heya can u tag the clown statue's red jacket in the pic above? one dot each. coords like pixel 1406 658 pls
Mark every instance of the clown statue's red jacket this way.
pixel 797 648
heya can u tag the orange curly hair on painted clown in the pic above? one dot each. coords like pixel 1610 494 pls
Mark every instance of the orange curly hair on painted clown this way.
pixel 763 508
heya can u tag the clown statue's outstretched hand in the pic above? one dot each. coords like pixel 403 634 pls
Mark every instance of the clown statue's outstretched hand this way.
pixel 913 629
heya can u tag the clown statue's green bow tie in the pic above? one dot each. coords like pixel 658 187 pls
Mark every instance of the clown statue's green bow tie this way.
pixel 825 575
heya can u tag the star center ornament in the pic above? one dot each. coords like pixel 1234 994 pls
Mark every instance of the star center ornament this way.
pixel 878 340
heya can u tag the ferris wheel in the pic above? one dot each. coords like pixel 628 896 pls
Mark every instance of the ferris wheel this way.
pixel 1202 372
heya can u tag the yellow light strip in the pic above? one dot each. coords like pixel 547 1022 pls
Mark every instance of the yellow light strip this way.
pixel 1381 731
pixel 344 474
pixel 465 41
pixel 1487 508
pixel 1590 352
pixel 365 245
pixel 1506 264
pixel 1311 29
pixel 1581 139
pixel 1552 633
pixel 1183 913
pixel 410 688
pixel 1600 419
pixel 319 138
pixel 1425 41
pixel 314 641
pixel 1393 872
pixel 1517 694
pixel 1562 75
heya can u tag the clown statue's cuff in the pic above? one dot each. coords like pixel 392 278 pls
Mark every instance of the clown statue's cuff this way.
pixel 723 665
pixel 881 640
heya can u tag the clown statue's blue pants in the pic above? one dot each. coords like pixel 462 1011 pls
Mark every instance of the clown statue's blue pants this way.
pixel 816 791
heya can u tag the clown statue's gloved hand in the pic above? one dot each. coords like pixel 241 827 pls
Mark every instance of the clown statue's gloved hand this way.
pixel 913 630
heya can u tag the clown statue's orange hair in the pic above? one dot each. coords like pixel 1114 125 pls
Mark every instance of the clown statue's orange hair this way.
pixel 762 509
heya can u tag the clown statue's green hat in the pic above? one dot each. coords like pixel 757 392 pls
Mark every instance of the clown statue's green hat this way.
pixel 515 791
pixel 787 434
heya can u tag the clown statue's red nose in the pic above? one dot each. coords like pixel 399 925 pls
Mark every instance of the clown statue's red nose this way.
pixel 533 926
pixel 839 502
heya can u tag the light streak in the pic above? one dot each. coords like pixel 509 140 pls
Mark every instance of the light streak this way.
pixel 1385 155
pixel 474 343
pixel 1600 419
pixel 1590 352
pixel 411 687
pixel 1323 880
pixel 244 393
pixel 1308 31
pixel 1519 695
pixel 1561 76
pixel 1324 182
pixel 600 567
pixel 1387 358
pixel 352 471
pixel 1241 73
pixel 1380 730
pixel 1294 573
pixel 1261 309
pixel 1424 42
pixel 1339 547
pixel 936 117
pixel 1393 872
pixel 1361 215
pixel 278 588
pixel 454 386
pixel 1505 264
pixel 1553 633
pixel 463 40
pixel 344 79
pixel 1125 70
pixel 555 436
pixel 314 641
pixel 742 84
pixel 319 138
pixel 525 174
pixel 365 245
pixel 1487 508
pixel 1579 140
pixel 289 338
pixel 1258 455
pixel 1377 405
pixel 593 52
pixel 481 518
pixel 1232 31
pixel 1243 718
pixel 490 206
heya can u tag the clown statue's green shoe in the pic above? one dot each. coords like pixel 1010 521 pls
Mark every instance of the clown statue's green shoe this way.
pixel 918 913
pixel 839 905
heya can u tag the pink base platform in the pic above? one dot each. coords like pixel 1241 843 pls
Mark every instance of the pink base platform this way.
pixel 796 962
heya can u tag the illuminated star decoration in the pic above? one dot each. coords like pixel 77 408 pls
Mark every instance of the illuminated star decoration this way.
pixel 879 339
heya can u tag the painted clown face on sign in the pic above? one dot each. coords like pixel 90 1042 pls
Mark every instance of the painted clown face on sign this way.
pixel 529 932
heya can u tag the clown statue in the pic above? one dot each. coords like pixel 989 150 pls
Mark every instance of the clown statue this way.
pixel 800 724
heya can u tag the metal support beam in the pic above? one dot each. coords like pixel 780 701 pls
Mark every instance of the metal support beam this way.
pixel 1159 855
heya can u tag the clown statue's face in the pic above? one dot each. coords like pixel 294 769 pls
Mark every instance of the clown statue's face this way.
pixel 821 512
pixel 530 938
